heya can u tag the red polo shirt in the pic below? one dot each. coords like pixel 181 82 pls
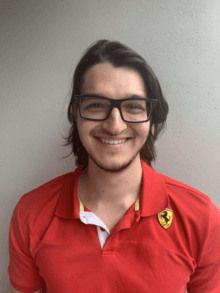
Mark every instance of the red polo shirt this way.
pixel 170 244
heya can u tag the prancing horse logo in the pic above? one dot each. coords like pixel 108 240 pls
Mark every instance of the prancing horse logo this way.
pixel 165 218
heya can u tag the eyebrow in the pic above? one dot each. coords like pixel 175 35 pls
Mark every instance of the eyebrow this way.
pixel 132 96
pixel 136 96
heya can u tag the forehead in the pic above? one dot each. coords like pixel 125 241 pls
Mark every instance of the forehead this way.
pixel 114 82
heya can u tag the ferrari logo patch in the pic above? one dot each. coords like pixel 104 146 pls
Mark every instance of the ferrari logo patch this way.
pixel 165 218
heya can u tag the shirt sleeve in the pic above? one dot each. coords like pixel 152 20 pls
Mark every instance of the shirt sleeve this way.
pixel 206 278
pixel 23 273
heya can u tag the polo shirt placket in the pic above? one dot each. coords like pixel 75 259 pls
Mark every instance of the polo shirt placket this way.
pixel 131 217
pixel 87 217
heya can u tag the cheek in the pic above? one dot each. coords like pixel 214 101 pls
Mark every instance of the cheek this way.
pixel 143 131
pixel 85 129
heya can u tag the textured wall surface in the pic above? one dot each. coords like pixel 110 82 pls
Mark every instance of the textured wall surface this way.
pixel 41 42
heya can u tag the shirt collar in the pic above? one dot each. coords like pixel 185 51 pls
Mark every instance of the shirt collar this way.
pixel 153 196
pixel 68 203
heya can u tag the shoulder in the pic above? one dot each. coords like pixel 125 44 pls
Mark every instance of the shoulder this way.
pixel 182 192
pixel 196 216
pixel 191 205
pixel 194 209
pixel 38 206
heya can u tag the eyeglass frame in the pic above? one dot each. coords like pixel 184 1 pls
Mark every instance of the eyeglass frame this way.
pixel 115 104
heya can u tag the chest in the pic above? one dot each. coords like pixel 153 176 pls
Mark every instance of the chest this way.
pixel 132 260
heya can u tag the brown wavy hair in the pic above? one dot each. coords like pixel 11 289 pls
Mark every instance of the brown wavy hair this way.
pixel 118 55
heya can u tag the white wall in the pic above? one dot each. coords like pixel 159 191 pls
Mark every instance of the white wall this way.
pixel 40 44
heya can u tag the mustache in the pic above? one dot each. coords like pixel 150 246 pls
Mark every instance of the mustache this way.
pixel 103 133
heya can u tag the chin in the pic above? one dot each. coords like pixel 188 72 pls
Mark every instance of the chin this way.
pixel 113 168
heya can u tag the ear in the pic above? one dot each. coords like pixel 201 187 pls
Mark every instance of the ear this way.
pixel 74 108
pixel 75 111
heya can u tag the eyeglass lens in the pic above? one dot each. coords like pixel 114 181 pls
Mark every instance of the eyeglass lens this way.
pixel 132 110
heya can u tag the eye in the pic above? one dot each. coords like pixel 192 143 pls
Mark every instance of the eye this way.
pixel 95 105
pixel 134 106
pixel 91 104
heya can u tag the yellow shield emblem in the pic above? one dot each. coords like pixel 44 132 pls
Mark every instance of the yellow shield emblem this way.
pixel 165 218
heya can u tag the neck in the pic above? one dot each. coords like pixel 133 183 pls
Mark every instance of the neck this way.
pixel 99 187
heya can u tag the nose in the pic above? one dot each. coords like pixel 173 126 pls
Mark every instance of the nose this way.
pixel 114 124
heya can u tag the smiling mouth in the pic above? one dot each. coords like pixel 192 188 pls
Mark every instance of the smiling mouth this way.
pixel 113 142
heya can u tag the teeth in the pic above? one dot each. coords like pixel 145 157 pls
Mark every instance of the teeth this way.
pixel 112 141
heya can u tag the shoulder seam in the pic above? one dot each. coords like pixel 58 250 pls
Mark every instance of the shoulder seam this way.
pixel 50 183
pixel 186 187
pixel 55 180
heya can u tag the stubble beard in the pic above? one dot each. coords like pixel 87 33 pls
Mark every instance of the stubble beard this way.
pixel 119 168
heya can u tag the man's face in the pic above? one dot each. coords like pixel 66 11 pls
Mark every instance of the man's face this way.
pixel 115 83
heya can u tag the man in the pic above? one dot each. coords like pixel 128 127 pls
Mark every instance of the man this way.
pixel 115 225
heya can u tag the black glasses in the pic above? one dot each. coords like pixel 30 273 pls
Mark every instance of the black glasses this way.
pixel 97 108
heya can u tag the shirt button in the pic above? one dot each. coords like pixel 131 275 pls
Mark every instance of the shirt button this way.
pixel 102 229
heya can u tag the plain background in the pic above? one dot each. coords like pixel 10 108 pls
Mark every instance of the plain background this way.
pixel 40 45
